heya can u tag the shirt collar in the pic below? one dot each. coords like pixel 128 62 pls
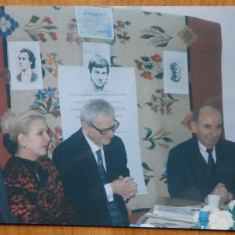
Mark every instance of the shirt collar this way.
pixel 203 148
pixel 93 146
pixel 204 153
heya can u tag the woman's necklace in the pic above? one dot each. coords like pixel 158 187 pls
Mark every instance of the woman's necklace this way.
pixel 36 173
pixel 33 165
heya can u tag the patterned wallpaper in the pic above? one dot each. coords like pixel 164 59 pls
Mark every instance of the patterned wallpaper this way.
pixel 140 38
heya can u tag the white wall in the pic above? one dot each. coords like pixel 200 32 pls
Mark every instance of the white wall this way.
pixel 225 16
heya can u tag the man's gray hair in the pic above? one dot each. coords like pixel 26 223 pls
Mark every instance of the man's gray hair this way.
pixel 94 108
pixel 196 112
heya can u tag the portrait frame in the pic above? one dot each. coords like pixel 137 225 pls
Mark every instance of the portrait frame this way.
pixel 175 72
pixel 27 48
pixel 149 230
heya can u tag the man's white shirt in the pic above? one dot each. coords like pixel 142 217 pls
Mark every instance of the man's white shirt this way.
pixel 94 148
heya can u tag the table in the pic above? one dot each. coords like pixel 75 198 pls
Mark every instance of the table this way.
pixel 168 201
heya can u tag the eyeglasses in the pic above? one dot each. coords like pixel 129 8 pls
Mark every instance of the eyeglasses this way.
pixel 106 131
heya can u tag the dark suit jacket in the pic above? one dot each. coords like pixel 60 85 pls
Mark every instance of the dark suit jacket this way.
pixel 34 77
pixel 82 181
pixel 5 215
pixel 187 170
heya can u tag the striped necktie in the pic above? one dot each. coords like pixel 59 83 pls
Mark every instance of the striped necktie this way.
pixel 113 208
pixel 211 162
pixel 101 167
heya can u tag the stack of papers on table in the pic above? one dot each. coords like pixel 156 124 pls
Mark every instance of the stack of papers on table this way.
pixel 185 214
pixel 169 217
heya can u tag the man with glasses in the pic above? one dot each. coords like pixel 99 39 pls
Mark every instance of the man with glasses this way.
pixel 93 168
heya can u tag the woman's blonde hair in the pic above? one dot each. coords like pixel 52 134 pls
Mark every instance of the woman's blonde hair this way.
pixel 20 124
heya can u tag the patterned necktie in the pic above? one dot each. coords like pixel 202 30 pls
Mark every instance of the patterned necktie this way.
pixel 114 211
pixel 101 167
pixel 211 163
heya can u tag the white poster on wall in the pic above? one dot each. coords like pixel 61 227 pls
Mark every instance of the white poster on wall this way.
pixel 95 22
pixel 74 92
pixel 92 49
pixel 175 72
pixel 25 65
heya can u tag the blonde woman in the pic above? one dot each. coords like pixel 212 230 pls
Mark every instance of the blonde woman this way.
pixel 34 189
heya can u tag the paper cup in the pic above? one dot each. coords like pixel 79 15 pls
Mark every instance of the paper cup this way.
pixel 213 200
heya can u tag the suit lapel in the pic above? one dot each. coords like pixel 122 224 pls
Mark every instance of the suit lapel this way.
pixel 207 182
pixel 108 160
pixel 198 162
pixel 198 156
pixel 219 154
pixel 85 155
pixel 220 159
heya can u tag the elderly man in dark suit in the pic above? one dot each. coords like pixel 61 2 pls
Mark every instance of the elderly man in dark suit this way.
pixel 204 164
pixel 93 168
